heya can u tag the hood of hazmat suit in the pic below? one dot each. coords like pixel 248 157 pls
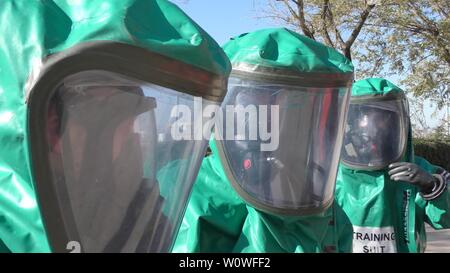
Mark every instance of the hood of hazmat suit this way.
pixel 381 215
pixel 86 94
pixel 268 184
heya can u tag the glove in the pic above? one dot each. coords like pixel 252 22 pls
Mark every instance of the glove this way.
pixel 430 186
pixel 413 174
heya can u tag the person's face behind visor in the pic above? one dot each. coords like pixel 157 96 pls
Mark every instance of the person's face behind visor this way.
pixel 375 134
pixel 370 128
pixel 97 147
pixel 297 176
pixel 109 150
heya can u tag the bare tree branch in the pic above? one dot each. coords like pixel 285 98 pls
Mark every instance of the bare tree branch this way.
pixel 439 8
pixel 420 14
pixel 324 16
pixel 357 30
pixel 300 16
pixel 337 33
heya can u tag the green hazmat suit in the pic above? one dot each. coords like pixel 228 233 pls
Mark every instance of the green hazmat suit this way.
pixel 218 220
pixel 378 214
pixel 221 215
pixel 36 34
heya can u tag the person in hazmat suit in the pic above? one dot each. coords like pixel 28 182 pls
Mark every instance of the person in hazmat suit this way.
pixel 87 92
pixel 385 191
pixel 272 193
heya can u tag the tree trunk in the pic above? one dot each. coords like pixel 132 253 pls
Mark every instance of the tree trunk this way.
pixel 348 52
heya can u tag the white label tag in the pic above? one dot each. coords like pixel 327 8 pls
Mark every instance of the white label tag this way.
pixel 374 240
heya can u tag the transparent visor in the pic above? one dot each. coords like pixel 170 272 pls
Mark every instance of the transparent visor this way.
pixel 376 134
pixel 121 176
pixel 281 144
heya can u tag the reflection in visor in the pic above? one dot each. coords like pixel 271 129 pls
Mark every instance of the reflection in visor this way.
pixel 109 165
pixel 375 134
pixel 299 175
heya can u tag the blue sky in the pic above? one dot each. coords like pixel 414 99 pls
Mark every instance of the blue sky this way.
pixel 224 19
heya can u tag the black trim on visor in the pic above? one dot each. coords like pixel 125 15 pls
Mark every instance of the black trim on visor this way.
pixel 289 77
pixel 376 98
pixel 135 62
pixel 127 60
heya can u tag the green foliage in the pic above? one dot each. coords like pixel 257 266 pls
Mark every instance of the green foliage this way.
pixel 436 151
pixel 405 39
pixel 411 38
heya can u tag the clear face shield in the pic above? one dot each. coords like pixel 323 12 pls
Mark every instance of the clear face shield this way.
pixel 110 140
pixel 293 172
pixel 376 133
